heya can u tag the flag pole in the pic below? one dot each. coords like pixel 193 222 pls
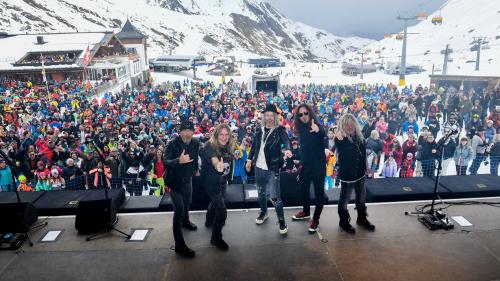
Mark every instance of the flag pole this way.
pixel 43 74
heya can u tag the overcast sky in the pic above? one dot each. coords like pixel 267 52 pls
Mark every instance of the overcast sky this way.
pixel 364 18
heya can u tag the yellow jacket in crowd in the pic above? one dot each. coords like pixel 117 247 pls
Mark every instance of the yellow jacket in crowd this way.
pixel 330 164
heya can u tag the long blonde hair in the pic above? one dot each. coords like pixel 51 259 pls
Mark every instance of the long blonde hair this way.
pixel 215 143
pixel 347 119
pixel 277 121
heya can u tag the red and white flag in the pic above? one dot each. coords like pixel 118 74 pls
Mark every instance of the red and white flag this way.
pixel 86 57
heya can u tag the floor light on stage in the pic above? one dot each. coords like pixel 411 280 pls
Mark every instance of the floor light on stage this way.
pixel 139 234
pixel 252 194
pixel 51 236
pixel 463 222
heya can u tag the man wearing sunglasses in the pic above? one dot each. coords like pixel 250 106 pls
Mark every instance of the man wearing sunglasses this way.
pixel 312 148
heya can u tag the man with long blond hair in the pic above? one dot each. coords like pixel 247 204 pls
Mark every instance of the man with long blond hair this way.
pixel 216 159
pixel 269 149
pixel 353 168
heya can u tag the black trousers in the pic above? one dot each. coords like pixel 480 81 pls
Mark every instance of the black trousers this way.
pixel 317 178
pixel 346 189
pixel 217 212
pixel 181 203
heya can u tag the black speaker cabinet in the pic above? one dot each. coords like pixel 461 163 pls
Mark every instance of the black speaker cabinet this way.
pixel 17 217
pixel 95 215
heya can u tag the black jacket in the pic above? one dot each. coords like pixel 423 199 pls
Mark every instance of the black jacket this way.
pixel 351 158
pixel 449 149
pixel 176 174
pixel 71 171
pixel 213 181
pixel 426 151
pixel 367 129
pixel 312 149
pixel 275 143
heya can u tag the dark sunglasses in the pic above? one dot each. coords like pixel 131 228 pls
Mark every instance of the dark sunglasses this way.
pixel 303 114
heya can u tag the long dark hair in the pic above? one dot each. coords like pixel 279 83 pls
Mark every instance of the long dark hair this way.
pixel 297 124
pixel 214 143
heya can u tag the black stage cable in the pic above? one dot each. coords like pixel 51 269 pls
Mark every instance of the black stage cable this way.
pixel 421 208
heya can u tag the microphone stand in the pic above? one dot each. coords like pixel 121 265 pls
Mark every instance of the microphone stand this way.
pixel 435 219
pixel 102 176
pixel 27 228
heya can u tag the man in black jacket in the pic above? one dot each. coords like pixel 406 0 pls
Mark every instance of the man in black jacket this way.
pixel 353 167
pixel 181 162
pixel 71 173
pixel 268 148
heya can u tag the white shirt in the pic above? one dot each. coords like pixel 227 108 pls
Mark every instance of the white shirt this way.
pixel 261 157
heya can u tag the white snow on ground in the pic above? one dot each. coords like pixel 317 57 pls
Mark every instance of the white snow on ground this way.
pixel 297 73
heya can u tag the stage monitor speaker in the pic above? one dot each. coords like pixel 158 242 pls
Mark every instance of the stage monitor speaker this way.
pixel 17 217
pixel 95 215
pixel 401 189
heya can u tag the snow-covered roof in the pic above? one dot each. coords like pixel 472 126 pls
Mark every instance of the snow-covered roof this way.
pixel 14 48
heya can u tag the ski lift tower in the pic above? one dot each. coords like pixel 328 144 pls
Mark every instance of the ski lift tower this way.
pixel 402 69
pixel 362 53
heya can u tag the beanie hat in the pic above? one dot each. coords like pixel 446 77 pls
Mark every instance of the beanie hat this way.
pixel 271 107
pixel 187 125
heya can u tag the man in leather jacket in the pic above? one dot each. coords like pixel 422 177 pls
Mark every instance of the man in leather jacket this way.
pixel 181 162
pixel 269 149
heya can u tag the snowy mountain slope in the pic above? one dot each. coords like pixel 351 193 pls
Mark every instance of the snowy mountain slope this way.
pixel 462 21
pixel 242 28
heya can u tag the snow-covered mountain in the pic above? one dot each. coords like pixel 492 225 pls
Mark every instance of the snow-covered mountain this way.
pixel 463 20
pixel 243 28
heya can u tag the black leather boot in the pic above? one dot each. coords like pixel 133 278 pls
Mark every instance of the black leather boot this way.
pixel 344 222
pixel 220 244
pixel 184 251
pixel 189 226
pixel 363 221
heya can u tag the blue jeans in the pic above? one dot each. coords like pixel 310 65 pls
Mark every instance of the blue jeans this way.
pixel 476 163
pixel 466 119
pixel 8 188
pixel 328 182
pixel 429 167
pixel 268 187
pixel 494 163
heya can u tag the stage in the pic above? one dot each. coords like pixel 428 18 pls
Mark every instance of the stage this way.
pixel 400 249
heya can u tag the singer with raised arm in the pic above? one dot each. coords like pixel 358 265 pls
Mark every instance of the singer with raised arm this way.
pixel 216 158
pixel 181 161
pixel 269 150
pixel 353 168
pixel 312 148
